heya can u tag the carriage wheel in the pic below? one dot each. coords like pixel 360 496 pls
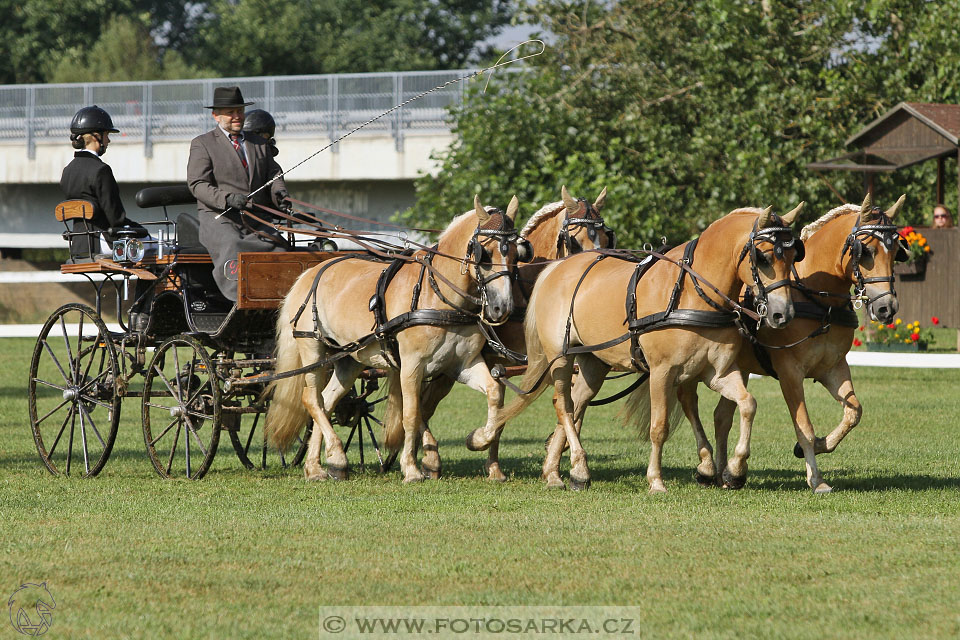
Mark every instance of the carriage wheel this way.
pixel 181 409
pixel 73 392
pixel 249 441
pixel 358 412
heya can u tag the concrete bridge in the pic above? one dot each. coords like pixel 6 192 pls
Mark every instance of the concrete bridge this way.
pixel 370 173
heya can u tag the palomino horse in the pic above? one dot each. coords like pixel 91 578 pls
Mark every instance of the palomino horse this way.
pixel 556 230
pixel 850 246
pixel 681 335
pixel 418 332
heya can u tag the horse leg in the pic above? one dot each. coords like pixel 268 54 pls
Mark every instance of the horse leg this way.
pixel 837 381
pixel 791 385
pixel 706 471
pixel 562 372
pixel 341 383
pixel 586 386
pixel 312 467
pixel 661 401
pixel 435 390
pixel 733 387
pixel 477 376
pixel 722 423
pixel 411 378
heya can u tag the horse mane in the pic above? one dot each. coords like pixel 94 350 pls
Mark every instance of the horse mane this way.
pixel 817 224
pixel 753 210
pixel 546 211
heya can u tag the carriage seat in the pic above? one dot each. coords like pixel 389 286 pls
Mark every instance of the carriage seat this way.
pixel 188 235
pixel 84 236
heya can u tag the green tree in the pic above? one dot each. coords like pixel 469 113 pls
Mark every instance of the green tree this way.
pixel 124 51
pixel 686 110
pixel 257 37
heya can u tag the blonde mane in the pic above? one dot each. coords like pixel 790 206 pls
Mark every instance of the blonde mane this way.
pixel 817 224
pixel 545 212
pixel 753 210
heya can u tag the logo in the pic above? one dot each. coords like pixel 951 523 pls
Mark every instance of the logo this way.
pixel 30 608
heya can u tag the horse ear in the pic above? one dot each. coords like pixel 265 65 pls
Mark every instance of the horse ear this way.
pixel 482 215
pixel 764 219
pixel 866 209
pixel 790 217
pixel 512 208
pixel 892 211
pixel 598 204
pixel 568 202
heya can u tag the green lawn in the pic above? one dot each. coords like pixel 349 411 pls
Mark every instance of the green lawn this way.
pixel 243 554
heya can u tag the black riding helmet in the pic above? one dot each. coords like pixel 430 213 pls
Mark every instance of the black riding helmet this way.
pixel 92 119
pixel 259 122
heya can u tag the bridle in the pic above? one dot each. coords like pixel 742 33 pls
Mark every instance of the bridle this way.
pixel 888 235
pixel 782 238
pixel 591 220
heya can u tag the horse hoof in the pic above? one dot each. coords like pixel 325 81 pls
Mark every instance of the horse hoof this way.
pixel 556 483
pixel 657 488
pixel 338 473
pixel 821 488
pixel 474 443
pixel 704 480
pixel 579 485
pixel 798 451
pixel 413 478
pixel 431 474
pixel 314 473
pixel 819 446
pixel 494 473
pixel 731 481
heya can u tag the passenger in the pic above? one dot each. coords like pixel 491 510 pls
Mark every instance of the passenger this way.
pixel 87 177
pixel 226 165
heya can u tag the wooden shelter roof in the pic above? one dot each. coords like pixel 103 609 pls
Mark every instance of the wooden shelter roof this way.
pixel 907 134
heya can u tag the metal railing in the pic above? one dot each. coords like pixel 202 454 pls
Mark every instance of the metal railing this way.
pixel 174 109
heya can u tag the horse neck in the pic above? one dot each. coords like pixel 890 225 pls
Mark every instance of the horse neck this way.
pixel 822 268
pixel 453 247
pixel 543 237
pixel 715 258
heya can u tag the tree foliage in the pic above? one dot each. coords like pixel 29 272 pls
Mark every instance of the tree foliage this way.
pixel 687 109
pixel 105 40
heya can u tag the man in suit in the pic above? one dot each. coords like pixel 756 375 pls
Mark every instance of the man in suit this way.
pixel 89 178
pixel 226 165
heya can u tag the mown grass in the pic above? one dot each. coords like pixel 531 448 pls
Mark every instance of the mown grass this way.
pixel 243 554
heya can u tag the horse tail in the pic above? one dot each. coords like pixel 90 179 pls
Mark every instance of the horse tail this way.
pixel 287 413
pixel 537 361
pixel 636 411
pixel 393 414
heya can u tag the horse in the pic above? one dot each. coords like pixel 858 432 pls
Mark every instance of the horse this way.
pixel 549 236
pixel 695 339
pixel 419 332
pixel 849 246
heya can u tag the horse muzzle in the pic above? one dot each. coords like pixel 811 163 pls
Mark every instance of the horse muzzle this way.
pixel 779 312
pixel 884 308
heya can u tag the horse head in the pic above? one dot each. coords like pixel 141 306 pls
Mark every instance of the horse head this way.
pixel 583 227
pixel 772 249
pixel 870 250
pixel 492 254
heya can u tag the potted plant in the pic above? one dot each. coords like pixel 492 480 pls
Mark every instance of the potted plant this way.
pixel 917 252
pixel 897 336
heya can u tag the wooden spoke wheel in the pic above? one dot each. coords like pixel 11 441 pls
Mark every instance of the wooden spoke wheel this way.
pixel 73 392
pixel 181 409
pixel 249 438
pixel 358 411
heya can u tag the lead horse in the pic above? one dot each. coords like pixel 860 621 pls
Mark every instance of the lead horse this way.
pixel 418 332
pixel 679 334
pixel 850 246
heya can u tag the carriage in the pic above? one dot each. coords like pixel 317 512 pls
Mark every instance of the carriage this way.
pixel 195 361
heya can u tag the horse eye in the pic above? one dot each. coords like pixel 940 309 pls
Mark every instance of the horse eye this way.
pixel 763 259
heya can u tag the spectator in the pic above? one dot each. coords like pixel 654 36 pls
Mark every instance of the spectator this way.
pixel 941 217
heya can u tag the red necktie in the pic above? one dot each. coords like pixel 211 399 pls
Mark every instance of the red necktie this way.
pixel 235 139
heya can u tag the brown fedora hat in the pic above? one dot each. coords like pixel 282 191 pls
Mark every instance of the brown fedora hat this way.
pixel 227 97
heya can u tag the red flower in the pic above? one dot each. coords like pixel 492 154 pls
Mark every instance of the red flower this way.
pixel 860 328
pixel 857 342
pixel 914 336
pixel 935 320
pixel 905 231
pixel 891 326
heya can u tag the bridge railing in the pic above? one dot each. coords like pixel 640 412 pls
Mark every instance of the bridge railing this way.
pixel 174 109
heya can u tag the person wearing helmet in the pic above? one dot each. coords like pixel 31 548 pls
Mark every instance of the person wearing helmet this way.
pixel 225 165
pixel 87 177
pixel 261 123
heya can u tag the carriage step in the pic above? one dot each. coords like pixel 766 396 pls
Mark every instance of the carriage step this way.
pixel 208 322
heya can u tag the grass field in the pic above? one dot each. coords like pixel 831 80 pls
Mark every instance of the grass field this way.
pixel 243 554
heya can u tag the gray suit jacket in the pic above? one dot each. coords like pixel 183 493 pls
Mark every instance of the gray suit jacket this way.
pixel 214 170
